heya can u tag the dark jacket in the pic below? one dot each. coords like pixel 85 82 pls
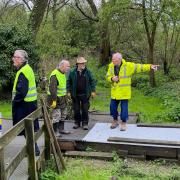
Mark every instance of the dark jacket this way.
pixel 72 82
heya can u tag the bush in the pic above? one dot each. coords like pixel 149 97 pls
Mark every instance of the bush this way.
pixel 11 38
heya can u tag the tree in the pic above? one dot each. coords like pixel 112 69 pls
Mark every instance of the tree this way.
pixel 151 11
pixel 11 38
pixel 170 35
pixel 37 15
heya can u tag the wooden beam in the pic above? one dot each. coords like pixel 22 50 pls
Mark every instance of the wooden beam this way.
pixel 159 125
pixel 15 162
pixel 2 165
pixel 30 144
pixel 144 141
pixel 52 134
pixel 15 130
pixel 96 155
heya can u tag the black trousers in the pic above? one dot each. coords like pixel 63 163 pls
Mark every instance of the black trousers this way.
pixel 80 107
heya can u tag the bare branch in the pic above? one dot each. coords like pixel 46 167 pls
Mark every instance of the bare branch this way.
pixel 27 5
pixel 84 14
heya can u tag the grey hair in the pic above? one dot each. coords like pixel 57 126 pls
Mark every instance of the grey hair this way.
pixel 62 62
pixel 118 55
pixel 24 55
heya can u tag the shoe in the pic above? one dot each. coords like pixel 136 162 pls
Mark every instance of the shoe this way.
pixel 123 126
pixel 85 127
pixel 37 151
pixel 76 126
pixel 114 124
pixel 64 132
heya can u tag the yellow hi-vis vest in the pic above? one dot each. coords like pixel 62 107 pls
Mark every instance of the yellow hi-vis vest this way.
pixel 29 74
pixel 61 78
pixel 122 89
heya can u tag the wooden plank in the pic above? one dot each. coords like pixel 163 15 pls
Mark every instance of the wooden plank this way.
pixel 52 138
pixel 151 151
pixel 96 155
pixel 40 160
pixel 158 125
pixel 30 143
pixel 51 133
pixel 11 133
pixel 2 165
pixel 15 130
pixel 144 141
pixel 47 143
pixel 67 145
pixel 15 162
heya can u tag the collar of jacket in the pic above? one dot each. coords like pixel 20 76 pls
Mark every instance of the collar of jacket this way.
pixel 123 62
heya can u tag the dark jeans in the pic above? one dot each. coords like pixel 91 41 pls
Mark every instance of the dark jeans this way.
pixel 81 106
pixel 114 109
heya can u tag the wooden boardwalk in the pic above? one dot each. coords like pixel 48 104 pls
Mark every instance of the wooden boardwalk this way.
pixel 80 140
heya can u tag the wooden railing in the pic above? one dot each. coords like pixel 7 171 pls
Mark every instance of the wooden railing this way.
pixel 35 165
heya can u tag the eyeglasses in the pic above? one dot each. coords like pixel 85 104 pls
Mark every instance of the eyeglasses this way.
pixel 16 57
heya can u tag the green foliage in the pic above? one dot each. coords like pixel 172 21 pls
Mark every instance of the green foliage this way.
pixel 127 169
pixel 72 36
pixel 12 38
pixel 48 175
pixel 167 90
pixel 5 109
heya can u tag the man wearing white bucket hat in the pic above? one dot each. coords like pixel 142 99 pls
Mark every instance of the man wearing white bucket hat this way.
pixel 81 86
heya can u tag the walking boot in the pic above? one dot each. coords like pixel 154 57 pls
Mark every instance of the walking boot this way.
pixel 114 124
pixel 61 128
pixel 85 127
pixel 123 126
pixel 76 125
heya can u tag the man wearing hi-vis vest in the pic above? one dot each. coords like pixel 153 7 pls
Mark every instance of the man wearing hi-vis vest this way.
pixel 24 94
pixel 57 96
pixel 119 75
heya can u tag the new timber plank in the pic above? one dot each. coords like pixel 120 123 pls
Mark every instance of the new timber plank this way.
pixel 144 141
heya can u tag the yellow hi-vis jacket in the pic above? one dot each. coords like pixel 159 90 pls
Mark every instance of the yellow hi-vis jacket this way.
pixel 61 78
pixel 29 74
pixel 122 89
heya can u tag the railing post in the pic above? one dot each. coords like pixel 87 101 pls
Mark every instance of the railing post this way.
pixel 47 143
pixel 30 144
pixel 2 166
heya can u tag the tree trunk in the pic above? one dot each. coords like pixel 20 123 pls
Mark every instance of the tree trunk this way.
pixel 105 47
pixel 165 67
pixel 37 15
pixel 151 61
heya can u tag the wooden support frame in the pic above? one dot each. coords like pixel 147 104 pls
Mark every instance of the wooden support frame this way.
pixel 29 150
pixel 30 144
pixel 55 146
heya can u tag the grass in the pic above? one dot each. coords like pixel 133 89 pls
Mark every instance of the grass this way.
pixel 5 109
pixel 147 106
pixel 118 169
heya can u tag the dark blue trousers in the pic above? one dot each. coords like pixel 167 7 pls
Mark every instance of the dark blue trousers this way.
pixel 114 109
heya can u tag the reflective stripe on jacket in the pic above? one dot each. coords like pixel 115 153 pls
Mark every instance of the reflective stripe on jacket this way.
pixel 29 74
pixel 61 78
pixel 122 89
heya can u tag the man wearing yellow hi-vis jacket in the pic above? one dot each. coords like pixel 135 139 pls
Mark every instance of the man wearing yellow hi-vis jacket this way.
pixel 57 96
pixel 24 94
pixel 119 75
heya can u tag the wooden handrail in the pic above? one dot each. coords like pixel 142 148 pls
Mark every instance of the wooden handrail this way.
pixel 27 150
pixel 16 129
